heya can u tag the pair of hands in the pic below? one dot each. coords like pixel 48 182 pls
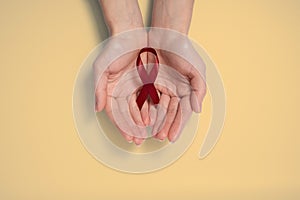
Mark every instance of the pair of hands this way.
pixel 181 85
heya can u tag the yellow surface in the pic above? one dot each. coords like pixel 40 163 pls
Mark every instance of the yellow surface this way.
pixel 256 46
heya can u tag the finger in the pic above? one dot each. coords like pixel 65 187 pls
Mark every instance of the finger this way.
pixel 183 114
pixel 161 113
pixel 152 113
pixel 138 141
pixel 135 111
pixel 124 120
pixel 108 109
pixel 100 93
pixel 170 116
pixel 127 137
pixel 145 113
pixel 121 116
pixel 198 86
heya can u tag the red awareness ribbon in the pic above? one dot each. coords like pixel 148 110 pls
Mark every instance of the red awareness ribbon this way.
pixel 148 89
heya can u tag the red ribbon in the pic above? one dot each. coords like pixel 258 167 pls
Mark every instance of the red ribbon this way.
pixel 148 89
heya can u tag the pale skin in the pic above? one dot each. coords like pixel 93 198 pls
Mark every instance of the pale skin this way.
pixel 120 16
pixel 176 15
pixel 171 14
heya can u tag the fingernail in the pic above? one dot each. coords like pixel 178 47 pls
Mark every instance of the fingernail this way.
pixel 158 139
pixel 138 141
pixel 162 138
pixel 175 138
pixel 128 138
pixel 138 145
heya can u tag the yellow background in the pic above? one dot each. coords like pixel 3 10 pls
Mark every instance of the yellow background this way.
pixel 256 46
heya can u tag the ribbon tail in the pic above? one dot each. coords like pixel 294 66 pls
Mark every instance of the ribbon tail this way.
pixel 153 94
pixel 140 100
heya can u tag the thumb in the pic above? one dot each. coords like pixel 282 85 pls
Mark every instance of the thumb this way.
pixel 101 93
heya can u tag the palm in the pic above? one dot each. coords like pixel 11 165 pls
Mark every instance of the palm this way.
pixel 179 104
pixel 106 86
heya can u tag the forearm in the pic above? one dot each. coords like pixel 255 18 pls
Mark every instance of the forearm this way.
pixel 121 15
pixel 172 14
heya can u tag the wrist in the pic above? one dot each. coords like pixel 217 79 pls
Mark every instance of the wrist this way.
pixel 162 38
pixel 121 15
pixel 117 28
pixel 173 25
pixel 172 14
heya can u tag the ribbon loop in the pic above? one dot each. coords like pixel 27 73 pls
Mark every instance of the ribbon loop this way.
pixel 148 89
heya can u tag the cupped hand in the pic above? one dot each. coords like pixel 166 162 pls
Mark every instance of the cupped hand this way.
pixel 185 71
pixel 117 58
